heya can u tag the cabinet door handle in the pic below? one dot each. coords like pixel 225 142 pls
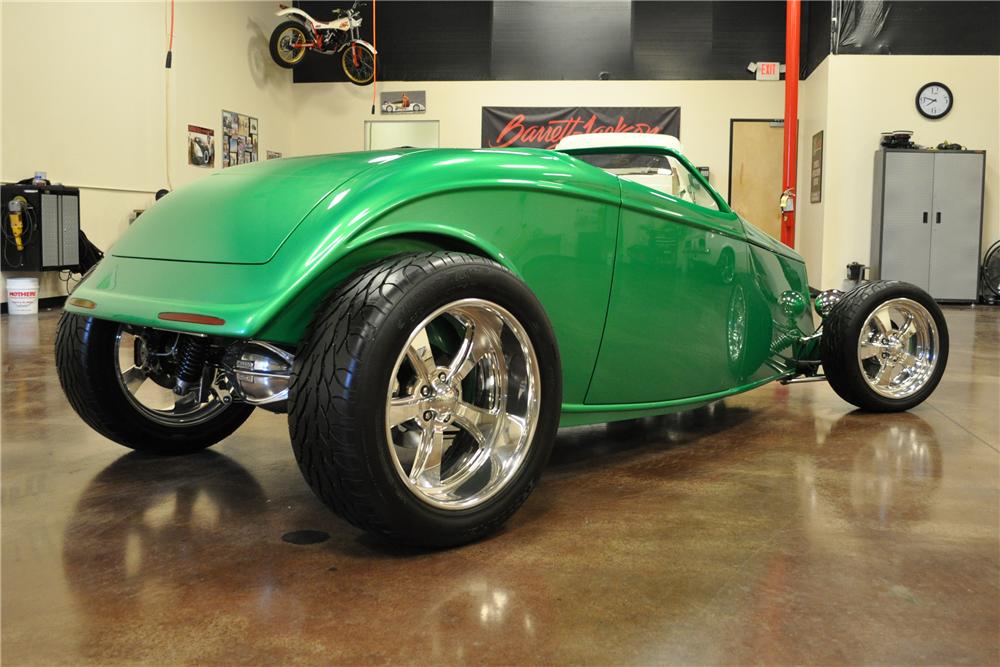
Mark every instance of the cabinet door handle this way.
pixel 925 217
pixel 937 218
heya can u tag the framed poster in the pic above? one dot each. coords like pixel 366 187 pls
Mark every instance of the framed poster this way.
pixel 201 146
pixel 816 169
pixel 414 101
pixel 239 138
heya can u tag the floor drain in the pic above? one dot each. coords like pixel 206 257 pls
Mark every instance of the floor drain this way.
pixel 305 537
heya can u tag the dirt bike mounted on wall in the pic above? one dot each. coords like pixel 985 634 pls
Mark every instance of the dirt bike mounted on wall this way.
pixel 301 33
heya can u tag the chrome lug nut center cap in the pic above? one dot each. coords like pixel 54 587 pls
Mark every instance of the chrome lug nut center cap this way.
pixel 442 400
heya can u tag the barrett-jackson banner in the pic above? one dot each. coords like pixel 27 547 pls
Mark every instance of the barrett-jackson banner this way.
pixel 543 127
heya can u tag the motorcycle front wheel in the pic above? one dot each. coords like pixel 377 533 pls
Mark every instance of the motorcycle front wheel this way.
pixel 358 64
pixel 284 38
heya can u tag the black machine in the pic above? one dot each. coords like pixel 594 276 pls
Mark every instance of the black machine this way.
pixel 898 139
pixel 40 227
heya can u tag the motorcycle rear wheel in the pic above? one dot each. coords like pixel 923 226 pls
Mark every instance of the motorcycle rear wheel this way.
pixel 283 39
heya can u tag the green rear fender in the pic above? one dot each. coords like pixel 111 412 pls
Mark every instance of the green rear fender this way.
pixel 552 223
pixel 289 324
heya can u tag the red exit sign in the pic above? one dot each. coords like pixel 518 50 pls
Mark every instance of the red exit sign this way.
pixel 768 71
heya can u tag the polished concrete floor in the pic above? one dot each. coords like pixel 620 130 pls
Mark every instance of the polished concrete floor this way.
pixel 778 528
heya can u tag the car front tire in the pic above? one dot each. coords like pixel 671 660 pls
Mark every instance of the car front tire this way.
pixel 885 346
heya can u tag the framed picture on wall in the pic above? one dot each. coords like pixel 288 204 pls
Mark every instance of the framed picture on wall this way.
pixel 201 147
pixel 239 138
pixel 816 169
pixel 414 101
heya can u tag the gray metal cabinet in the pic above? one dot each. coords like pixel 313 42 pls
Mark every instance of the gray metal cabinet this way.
pixel 927 219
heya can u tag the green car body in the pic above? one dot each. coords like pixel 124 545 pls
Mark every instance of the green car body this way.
pixel 658 304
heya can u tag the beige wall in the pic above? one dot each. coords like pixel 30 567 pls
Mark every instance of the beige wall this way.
pixel 330 117
pixel 867 95
pixel 91 111
pixel 809 217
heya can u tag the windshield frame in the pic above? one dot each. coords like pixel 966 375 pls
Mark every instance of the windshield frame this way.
pixel 653 150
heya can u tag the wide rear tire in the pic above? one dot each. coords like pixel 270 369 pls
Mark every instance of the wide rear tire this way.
pixel 388 415
pixel 86 363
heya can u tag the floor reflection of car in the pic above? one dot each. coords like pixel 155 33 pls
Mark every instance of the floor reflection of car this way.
pixel 142 547
pixel 885 478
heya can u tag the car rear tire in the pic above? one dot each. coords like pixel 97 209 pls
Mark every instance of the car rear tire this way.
pixel 885 346
pixel 87 360
pixel 425 398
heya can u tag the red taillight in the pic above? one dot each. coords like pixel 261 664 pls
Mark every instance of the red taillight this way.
pixel 82 303
pixel 192 318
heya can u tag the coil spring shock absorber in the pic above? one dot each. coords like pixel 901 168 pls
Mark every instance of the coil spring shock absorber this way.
pixel 190 363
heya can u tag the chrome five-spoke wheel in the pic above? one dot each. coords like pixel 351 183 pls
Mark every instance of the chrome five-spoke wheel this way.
pixel 120 380
pixel 462 404
pixel 884 346
pixel 425 398
pixel 898 348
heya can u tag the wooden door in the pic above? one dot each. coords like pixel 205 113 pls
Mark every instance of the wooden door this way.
pixel 755 172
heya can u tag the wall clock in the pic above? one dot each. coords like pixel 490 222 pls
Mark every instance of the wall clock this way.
pixel 934 100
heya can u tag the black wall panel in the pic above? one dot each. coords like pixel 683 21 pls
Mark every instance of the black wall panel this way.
pixel 643 39
pixel 562 40
pixel 918 28
pixel 417 41
pixel 671 40
pixel 815 35
pixel 705 40
pixel 556 39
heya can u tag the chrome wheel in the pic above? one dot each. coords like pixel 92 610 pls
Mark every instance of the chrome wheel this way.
pixel 898 348
pixel 146 376
pixel 462 405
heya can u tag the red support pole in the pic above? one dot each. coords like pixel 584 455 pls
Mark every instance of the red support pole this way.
pixel 790 150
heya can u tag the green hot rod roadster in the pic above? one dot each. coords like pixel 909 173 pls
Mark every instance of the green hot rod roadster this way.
pixel 429 318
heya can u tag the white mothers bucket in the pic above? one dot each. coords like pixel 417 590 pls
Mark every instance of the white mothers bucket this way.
pixel 22 296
